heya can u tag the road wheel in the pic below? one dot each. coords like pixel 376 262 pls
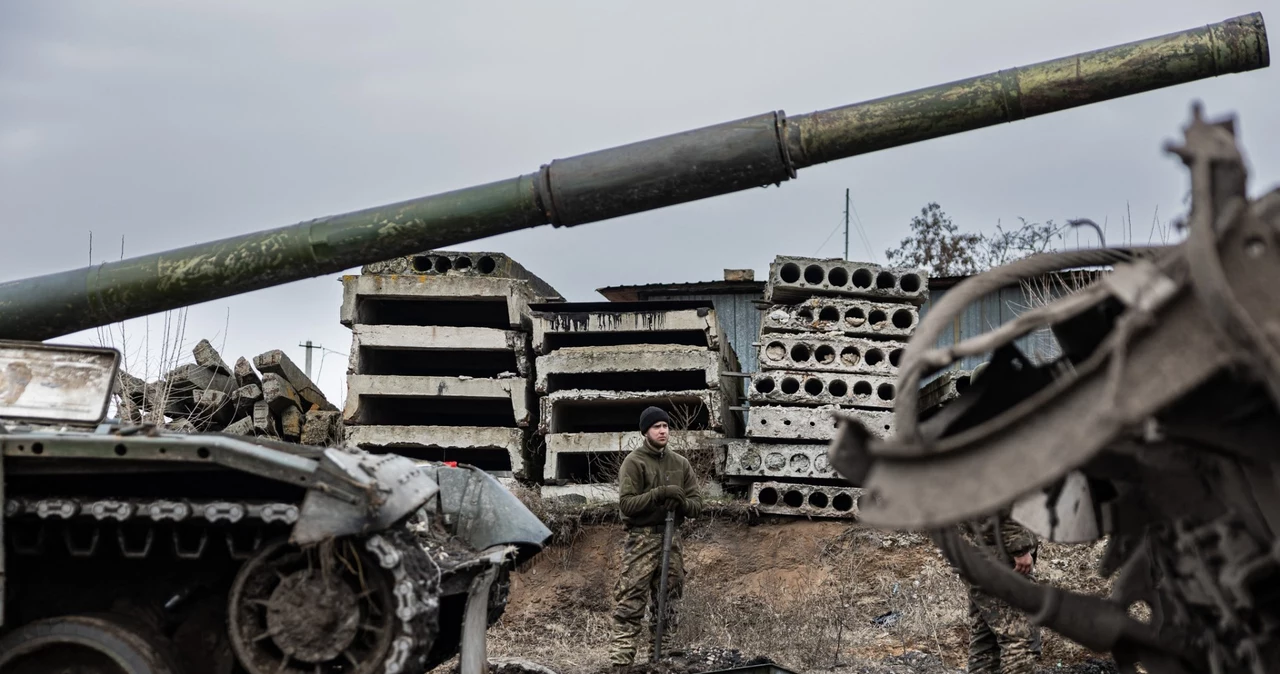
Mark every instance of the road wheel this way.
pixel 83 645
pixel 353 605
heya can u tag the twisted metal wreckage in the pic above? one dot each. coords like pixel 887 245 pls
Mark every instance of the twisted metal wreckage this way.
pixel 1156 427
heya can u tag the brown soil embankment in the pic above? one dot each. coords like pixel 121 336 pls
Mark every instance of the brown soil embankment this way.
pixel 809 595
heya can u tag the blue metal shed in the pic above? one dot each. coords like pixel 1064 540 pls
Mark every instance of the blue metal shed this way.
pixel 734 299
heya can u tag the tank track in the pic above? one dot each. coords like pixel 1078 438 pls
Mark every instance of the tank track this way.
pixel 139 530
pixel 103 511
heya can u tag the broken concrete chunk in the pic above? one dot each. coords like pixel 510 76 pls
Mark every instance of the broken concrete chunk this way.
pixel 291 423
pixel 181 426
pixel 161 396
pixel 129 411
pixel 278 394
pixel 243 399
pixel 249 393
pixel 276 362
pixel 207 356
pixel 131 388
pixel 320 428
pixel 213 406
pixel 243 426
pixel 193 377
pixel 264 422
pixel 245 374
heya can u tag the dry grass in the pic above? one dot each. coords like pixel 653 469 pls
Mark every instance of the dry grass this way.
pixel 811 595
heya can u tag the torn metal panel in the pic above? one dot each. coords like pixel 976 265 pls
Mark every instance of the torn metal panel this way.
pixel 326 516
pixel 484 513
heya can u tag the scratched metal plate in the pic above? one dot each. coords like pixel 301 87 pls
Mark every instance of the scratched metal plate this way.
pixel 55 383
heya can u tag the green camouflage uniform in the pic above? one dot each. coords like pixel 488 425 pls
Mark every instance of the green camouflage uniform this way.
pixel 1000 636
pixel 650 482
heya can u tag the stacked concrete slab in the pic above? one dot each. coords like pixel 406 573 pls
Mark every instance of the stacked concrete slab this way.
pixel 831 338
pixel 600 364
pixel 440 365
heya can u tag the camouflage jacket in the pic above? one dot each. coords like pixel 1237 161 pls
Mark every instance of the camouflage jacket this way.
pixel 644 470
pixel 1017 539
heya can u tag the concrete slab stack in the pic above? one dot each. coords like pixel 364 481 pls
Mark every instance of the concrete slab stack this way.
pixel 831 338
pixel 440 363
pixel 599 364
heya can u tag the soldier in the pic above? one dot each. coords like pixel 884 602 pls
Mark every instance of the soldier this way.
pixel 652 480
pixel 1001 639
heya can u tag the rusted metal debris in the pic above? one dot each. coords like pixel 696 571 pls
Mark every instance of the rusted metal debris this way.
pixel 1155 428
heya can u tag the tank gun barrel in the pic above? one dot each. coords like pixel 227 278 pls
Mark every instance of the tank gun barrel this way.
pixel 714 160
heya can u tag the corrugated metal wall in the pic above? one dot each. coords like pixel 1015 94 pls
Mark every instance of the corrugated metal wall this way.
pixel 739 322
pixel 740 319
pixel 995 309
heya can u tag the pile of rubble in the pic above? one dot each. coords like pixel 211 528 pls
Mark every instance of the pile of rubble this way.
pixel 440 362
pixel 831 339
pixel 599 364
pixel 276 400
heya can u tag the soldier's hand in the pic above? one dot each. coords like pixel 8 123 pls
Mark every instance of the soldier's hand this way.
pixel 672 491
pixel 676 504
pixel 1022 563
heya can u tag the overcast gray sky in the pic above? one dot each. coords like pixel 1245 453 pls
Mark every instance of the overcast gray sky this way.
pixel 173 123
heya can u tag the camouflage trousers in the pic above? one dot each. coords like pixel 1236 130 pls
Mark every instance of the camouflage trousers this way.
pixel 1000 637
pixel 637 587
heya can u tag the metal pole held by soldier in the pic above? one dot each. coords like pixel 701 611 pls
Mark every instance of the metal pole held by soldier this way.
pixel 662 584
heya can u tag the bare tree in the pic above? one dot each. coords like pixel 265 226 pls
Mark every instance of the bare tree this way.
pixel 936 244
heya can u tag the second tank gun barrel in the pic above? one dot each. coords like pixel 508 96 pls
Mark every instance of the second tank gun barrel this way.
pixel 698 164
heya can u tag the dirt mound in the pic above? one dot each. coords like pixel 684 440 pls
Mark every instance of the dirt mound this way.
pixel 810 595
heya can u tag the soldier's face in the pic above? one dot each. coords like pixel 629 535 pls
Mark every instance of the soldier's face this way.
pixel 657 434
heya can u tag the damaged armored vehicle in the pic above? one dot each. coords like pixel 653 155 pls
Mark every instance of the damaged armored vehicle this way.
pixel 129 548
pixel 1157 428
